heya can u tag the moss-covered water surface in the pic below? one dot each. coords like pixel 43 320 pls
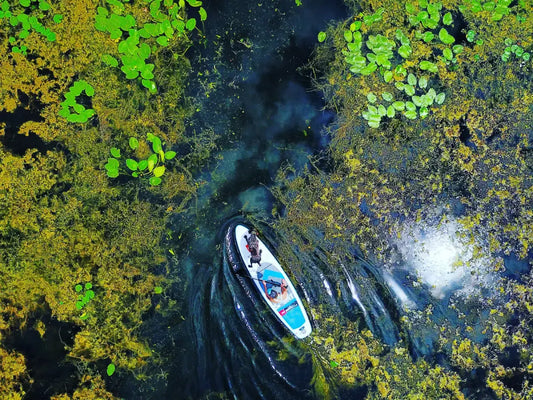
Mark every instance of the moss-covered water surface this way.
pixel 390 168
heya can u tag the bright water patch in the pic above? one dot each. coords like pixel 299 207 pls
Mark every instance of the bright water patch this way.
pixel 443 259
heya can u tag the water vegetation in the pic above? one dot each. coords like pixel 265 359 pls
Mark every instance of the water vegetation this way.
pixel 76 247
pixel 466 142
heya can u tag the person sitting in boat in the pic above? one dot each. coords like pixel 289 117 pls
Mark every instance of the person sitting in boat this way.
pixel 253 247
pixel 273 295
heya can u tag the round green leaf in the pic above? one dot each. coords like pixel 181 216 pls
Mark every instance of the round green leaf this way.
pixel 409 90
pixel 387 96
pixel 131 164
pixel 399 105
pixel 445 37
pixel 115 153
pixel 411 114
pixel 88 285
pixel 447 19
pixel 143 164
pixel 158 290
pixel 79 305
pixel 78 288
pixel 387 76
pixel 134 143
pixel 203 14
pixel 159 171
pixel 112 173
pixel 154 181
pixel 109 60
pixel 348 36
pixel 371 97
pixel 422 82
pixel 89 294
pixel 321 36
pixel 191 24
pixel 440 98
pixel 162 40
pixel 112 163
pixel 169 155
pixel 110 369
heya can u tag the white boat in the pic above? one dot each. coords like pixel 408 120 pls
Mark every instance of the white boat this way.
pixel 269 278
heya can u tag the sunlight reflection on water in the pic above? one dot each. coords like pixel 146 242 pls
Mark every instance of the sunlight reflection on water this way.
pixel 444 259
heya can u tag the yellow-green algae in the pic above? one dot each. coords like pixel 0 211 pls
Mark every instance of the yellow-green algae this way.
pixel 62 220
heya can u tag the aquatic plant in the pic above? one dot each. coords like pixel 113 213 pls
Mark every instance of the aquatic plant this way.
pixel 84 299
pixel 152 167
pixel 169 23
pixel 80 114
pixel 496 9
pixel 110 369
pixel 516 49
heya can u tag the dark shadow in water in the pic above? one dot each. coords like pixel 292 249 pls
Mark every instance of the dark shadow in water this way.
pixel 45 357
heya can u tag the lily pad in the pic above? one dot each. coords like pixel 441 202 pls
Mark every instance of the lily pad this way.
pixel 428 66
pixel 445 37
pixel 154 181
pixel 387 96
pixel 447 19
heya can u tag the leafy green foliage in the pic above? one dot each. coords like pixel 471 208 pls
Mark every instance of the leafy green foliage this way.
pixel 513 48
pixel 80 114
pixel 152 167
pixel 135 49
pixel 496 9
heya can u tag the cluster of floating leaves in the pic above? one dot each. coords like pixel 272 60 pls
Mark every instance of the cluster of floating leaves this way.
pixel 168 23
pixel 376 112
pixel 153 167
pixel 19 16
pixel 497 9
pixel 516 49
pixel 422 15
pixel 84 299
pixel 80 114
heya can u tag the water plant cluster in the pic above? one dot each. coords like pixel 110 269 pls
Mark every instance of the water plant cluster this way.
pixel 516 49
pixel 152 167
pixel 79 113
pixel 18 16
pixel 85 298
pixel 497 9
pixel 382 55
pixel 138 42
